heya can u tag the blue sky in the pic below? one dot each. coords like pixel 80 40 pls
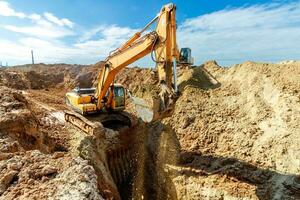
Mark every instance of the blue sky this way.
pixel 83 32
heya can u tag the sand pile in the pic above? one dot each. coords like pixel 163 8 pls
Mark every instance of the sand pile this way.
pixel 240 124
pixel 237 130
pixel 250 111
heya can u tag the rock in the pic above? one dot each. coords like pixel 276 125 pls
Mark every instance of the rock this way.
pixel 30 181
pixel 82 183
pixel 5 156
pixel 15 166
pixel 58 154
pixel 45 178
pixel 47 170
pixel 185 123
pixel 6 180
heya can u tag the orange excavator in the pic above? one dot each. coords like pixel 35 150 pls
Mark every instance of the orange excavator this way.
pixel 108 98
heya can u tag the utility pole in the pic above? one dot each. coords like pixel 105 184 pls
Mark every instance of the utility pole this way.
pixel 6 64
pixel 32 58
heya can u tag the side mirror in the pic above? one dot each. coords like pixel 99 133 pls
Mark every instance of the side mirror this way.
pixel 185 56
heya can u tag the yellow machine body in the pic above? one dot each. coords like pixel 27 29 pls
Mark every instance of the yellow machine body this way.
pixel 83 100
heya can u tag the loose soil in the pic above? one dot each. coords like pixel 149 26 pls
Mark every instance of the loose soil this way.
pixel 233 135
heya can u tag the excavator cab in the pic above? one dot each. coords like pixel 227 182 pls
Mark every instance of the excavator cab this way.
pixel 185 56
pixel 119 97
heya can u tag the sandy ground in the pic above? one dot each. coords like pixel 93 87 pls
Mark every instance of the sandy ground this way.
pixel 233 134
pixel 239 125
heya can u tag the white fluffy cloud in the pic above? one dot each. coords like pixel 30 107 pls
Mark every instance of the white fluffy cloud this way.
pixel 39 31
pixel 109 32
pixel 268 32
pixel 6 10
pixel 54 50
pixel 42 26
pixel 61 22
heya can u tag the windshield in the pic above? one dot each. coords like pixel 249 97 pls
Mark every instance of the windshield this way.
pixel 119 91
pixel 184 53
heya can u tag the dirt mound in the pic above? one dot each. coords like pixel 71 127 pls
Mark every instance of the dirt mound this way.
pixel 62 76
pixel 233 135
pixel 259 101
pixel 30 80
pixel 34 175
pixel 242 120
pixel 26 170
pixel 13 80
pixel 41 76
pixel 237 129
pixel 16 120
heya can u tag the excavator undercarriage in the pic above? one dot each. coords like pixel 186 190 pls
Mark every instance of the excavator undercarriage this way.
pixel 93 124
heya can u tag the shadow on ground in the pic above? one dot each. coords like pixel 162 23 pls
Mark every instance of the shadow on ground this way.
pixel 200 78
pixel 269 183
pixel 162 148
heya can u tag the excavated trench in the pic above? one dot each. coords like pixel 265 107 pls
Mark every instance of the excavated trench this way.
pixel 158 148
pixel 130 161
pixel 111 152
pixel 121 158
pixel 135 159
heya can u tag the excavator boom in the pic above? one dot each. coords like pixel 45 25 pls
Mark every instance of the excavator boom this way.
pixel 161 41
pixel 109 96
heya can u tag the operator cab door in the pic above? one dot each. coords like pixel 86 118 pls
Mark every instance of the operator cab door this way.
pixel 119 97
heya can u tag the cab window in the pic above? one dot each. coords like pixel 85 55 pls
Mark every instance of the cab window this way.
pixel 119 91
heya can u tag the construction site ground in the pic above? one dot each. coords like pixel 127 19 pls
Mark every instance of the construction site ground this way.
pixel 234 134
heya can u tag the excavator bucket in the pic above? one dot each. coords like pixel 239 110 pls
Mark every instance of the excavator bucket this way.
pixel 152 113
pixel 143 110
